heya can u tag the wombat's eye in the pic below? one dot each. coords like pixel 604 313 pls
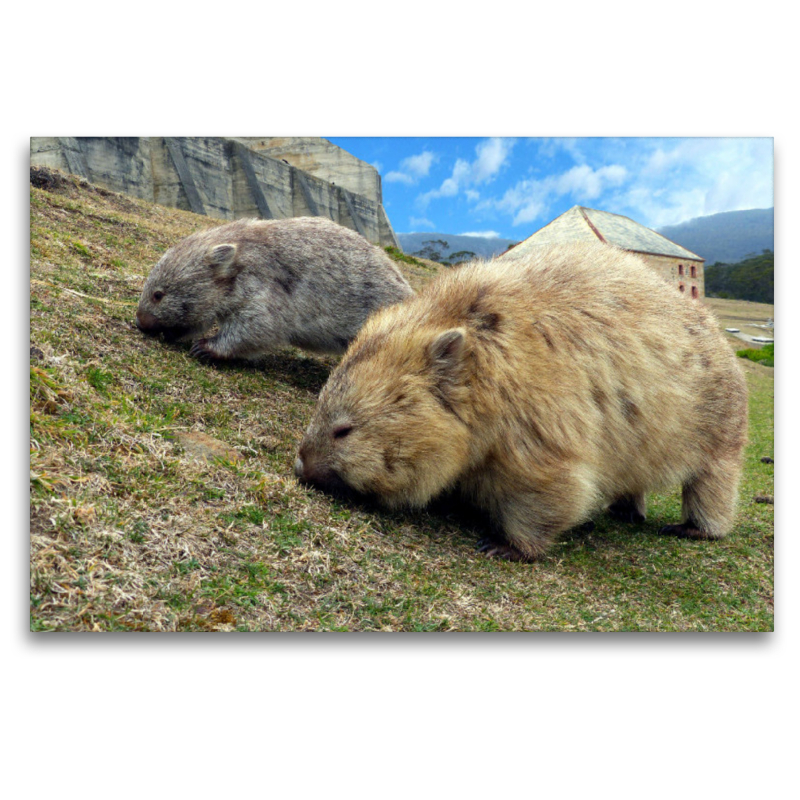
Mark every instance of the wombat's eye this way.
pixel 157 296
pixel 340 431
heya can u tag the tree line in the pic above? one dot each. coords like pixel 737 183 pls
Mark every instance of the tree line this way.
pixel 750 279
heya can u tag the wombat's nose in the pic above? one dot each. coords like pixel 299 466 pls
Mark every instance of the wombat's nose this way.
pixel 146 322
pixel 319 475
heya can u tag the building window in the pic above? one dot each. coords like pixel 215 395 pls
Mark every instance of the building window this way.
pixel 680 269
pixel 694 291
pixel 694 271
pixel 681 287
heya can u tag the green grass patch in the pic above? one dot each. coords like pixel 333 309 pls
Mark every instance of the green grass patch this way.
pixel 399 255
pixel 763 355
pixel 99 379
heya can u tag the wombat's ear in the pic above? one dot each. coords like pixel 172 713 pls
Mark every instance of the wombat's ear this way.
pixel 447 353
pixel 222 259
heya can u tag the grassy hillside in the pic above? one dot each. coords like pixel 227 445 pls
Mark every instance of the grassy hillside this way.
pixel 162 494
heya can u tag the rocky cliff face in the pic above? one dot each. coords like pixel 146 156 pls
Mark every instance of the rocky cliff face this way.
pixel 323 160
pixel 230 178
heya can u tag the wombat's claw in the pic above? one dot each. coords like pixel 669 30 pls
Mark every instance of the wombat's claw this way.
pixel 200 350
pixel 683 531
pixel 494 549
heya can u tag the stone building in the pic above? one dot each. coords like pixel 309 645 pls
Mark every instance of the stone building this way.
pixel 230 178
pixel 674 263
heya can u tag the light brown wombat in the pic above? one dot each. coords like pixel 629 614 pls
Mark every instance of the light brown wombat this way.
pixel 545 390
pixel 306 282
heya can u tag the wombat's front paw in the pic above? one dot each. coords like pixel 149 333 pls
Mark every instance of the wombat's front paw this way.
pixel 491 548
pixel 625 511
pixel 684 531
pixel 203 350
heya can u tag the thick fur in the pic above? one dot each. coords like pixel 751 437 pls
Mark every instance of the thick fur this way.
pixel 545 390
pixel 306 282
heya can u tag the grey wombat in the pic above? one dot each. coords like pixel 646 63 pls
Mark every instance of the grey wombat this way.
pixel 545 390
pixel 306 282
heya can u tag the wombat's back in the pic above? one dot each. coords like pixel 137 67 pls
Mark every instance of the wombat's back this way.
pixel 589 348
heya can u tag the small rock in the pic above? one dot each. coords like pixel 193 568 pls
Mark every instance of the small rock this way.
pixel 764 498
pixel 767 460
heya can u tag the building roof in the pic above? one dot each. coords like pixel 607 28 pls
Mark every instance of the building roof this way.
pixel 589 224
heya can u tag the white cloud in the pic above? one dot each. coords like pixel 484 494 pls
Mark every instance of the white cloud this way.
pixel 420 222
pixel 529 211
pixel 482 234
pixel 551 147
pixel 412 168
pixel 663 206
pixel 684 178
pixel 448 188
pixel 585 183
pixel 492 154
pixel 491 157
pixel 656 181
pixel 419 165
pixel 398 177
pixel 530 199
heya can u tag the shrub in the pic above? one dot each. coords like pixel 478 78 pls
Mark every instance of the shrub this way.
pixel 400 256
pixel 764 355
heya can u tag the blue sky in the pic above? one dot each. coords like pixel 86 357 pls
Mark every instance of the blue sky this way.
pixel 511 187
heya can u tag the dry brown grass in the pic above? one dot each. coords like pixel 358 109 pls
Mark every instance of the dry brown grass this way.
pixel 131 529
pixel 746 316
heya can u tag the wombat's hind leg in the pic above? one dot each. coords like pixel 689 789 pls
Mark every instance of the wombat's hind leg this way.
pixel 709 503
pixel 629 508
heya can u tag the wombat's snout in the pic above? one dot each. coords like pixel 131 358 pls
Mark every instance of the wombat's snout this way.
pixel 310 471
pixel 152 326
pixel 147 323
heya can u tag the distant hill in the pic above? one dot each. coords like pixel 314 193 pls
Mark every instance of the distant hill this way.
pixel 728 237
pixel 452 247
pixel 751 279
